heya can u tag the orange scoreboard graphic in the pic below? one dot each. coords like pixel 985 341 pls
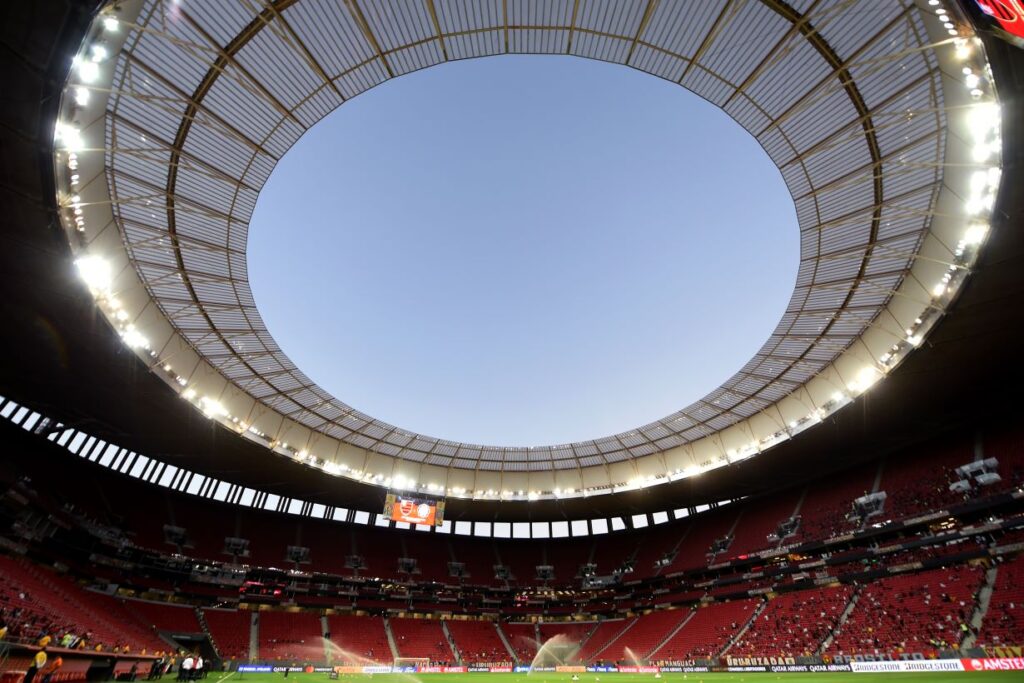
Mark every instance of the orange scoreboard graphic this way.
pixel 399 508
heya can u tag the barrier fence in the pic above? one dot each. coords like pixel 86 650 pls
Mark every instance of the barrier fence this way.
pixel 769 664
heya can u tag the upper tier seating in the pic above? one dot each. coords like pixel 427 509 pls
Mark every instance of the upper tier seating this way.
pixel 760 518
pixel 694 548
pixel 917 482
pixel 826 503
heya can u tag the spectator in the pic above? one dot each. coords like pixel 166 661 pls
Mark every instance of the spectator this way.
pixel 52 668
pixel 38 662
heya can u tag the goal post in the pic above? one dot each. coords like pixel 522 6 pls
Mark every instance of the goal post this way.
pixel 417 662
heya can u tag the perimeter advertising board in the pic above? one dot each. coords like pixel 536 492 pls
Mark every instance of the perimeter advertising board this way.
pixel 908 666
pixel 994 664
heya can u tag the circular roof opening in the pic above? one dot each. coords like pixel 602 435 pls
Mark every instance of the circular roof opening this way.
pixel 523 250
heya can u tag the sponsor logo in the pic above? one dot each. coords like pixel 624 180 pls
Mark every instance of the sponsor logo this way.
pixel 253 668
pixel 759 661
pixel 904 666
pixel 994 664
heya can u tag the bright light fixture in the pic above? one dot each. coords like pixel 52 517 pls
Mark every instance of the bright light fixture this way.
pixel 134 339
pixel 212 407
pixel 975 233
pixel 88 71
pixel 95 271
pixel 69 136
pixel 865 377
pixel 983 118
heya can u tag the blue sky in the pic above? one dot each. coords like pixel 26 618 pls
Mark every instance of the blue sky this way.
pixel 523 250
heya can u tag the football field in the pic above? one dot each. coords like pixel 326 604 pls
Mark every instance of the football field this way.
pixel 958 677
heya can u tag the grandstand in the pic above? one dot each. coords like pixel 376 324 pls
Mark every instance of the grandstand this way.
pixel 173 484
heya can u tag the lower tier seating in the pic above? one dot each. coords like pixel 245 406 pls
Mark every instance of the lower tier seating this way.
pixel 290 637
pixel 229 630
pixel 358 640
pixel 1004 622
pixel 924 612
pixel 478 642
pixel 794 623
pixel 707 631
pixel 421 638
pixel 37 600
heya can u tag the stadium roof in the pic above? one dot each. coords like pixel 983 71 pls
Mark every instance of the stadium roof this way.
pixel 873 118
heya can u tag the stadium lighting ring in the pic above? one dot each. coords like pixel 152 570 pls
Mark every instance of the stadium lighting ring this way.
pixel 881 116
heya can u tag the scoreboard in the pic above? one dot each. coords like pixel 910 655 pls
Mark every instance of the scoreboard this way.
pixel 412 510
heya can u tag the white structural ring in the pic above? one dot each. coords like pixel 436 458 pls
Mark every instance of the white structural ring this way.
pixel 881 116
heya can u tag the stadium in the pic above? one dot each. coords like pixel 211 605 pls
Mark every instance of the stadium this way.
pixel 179 499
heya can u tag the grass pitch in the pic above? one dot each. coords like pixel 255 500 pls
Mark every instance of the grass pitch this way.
pixel 840 677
